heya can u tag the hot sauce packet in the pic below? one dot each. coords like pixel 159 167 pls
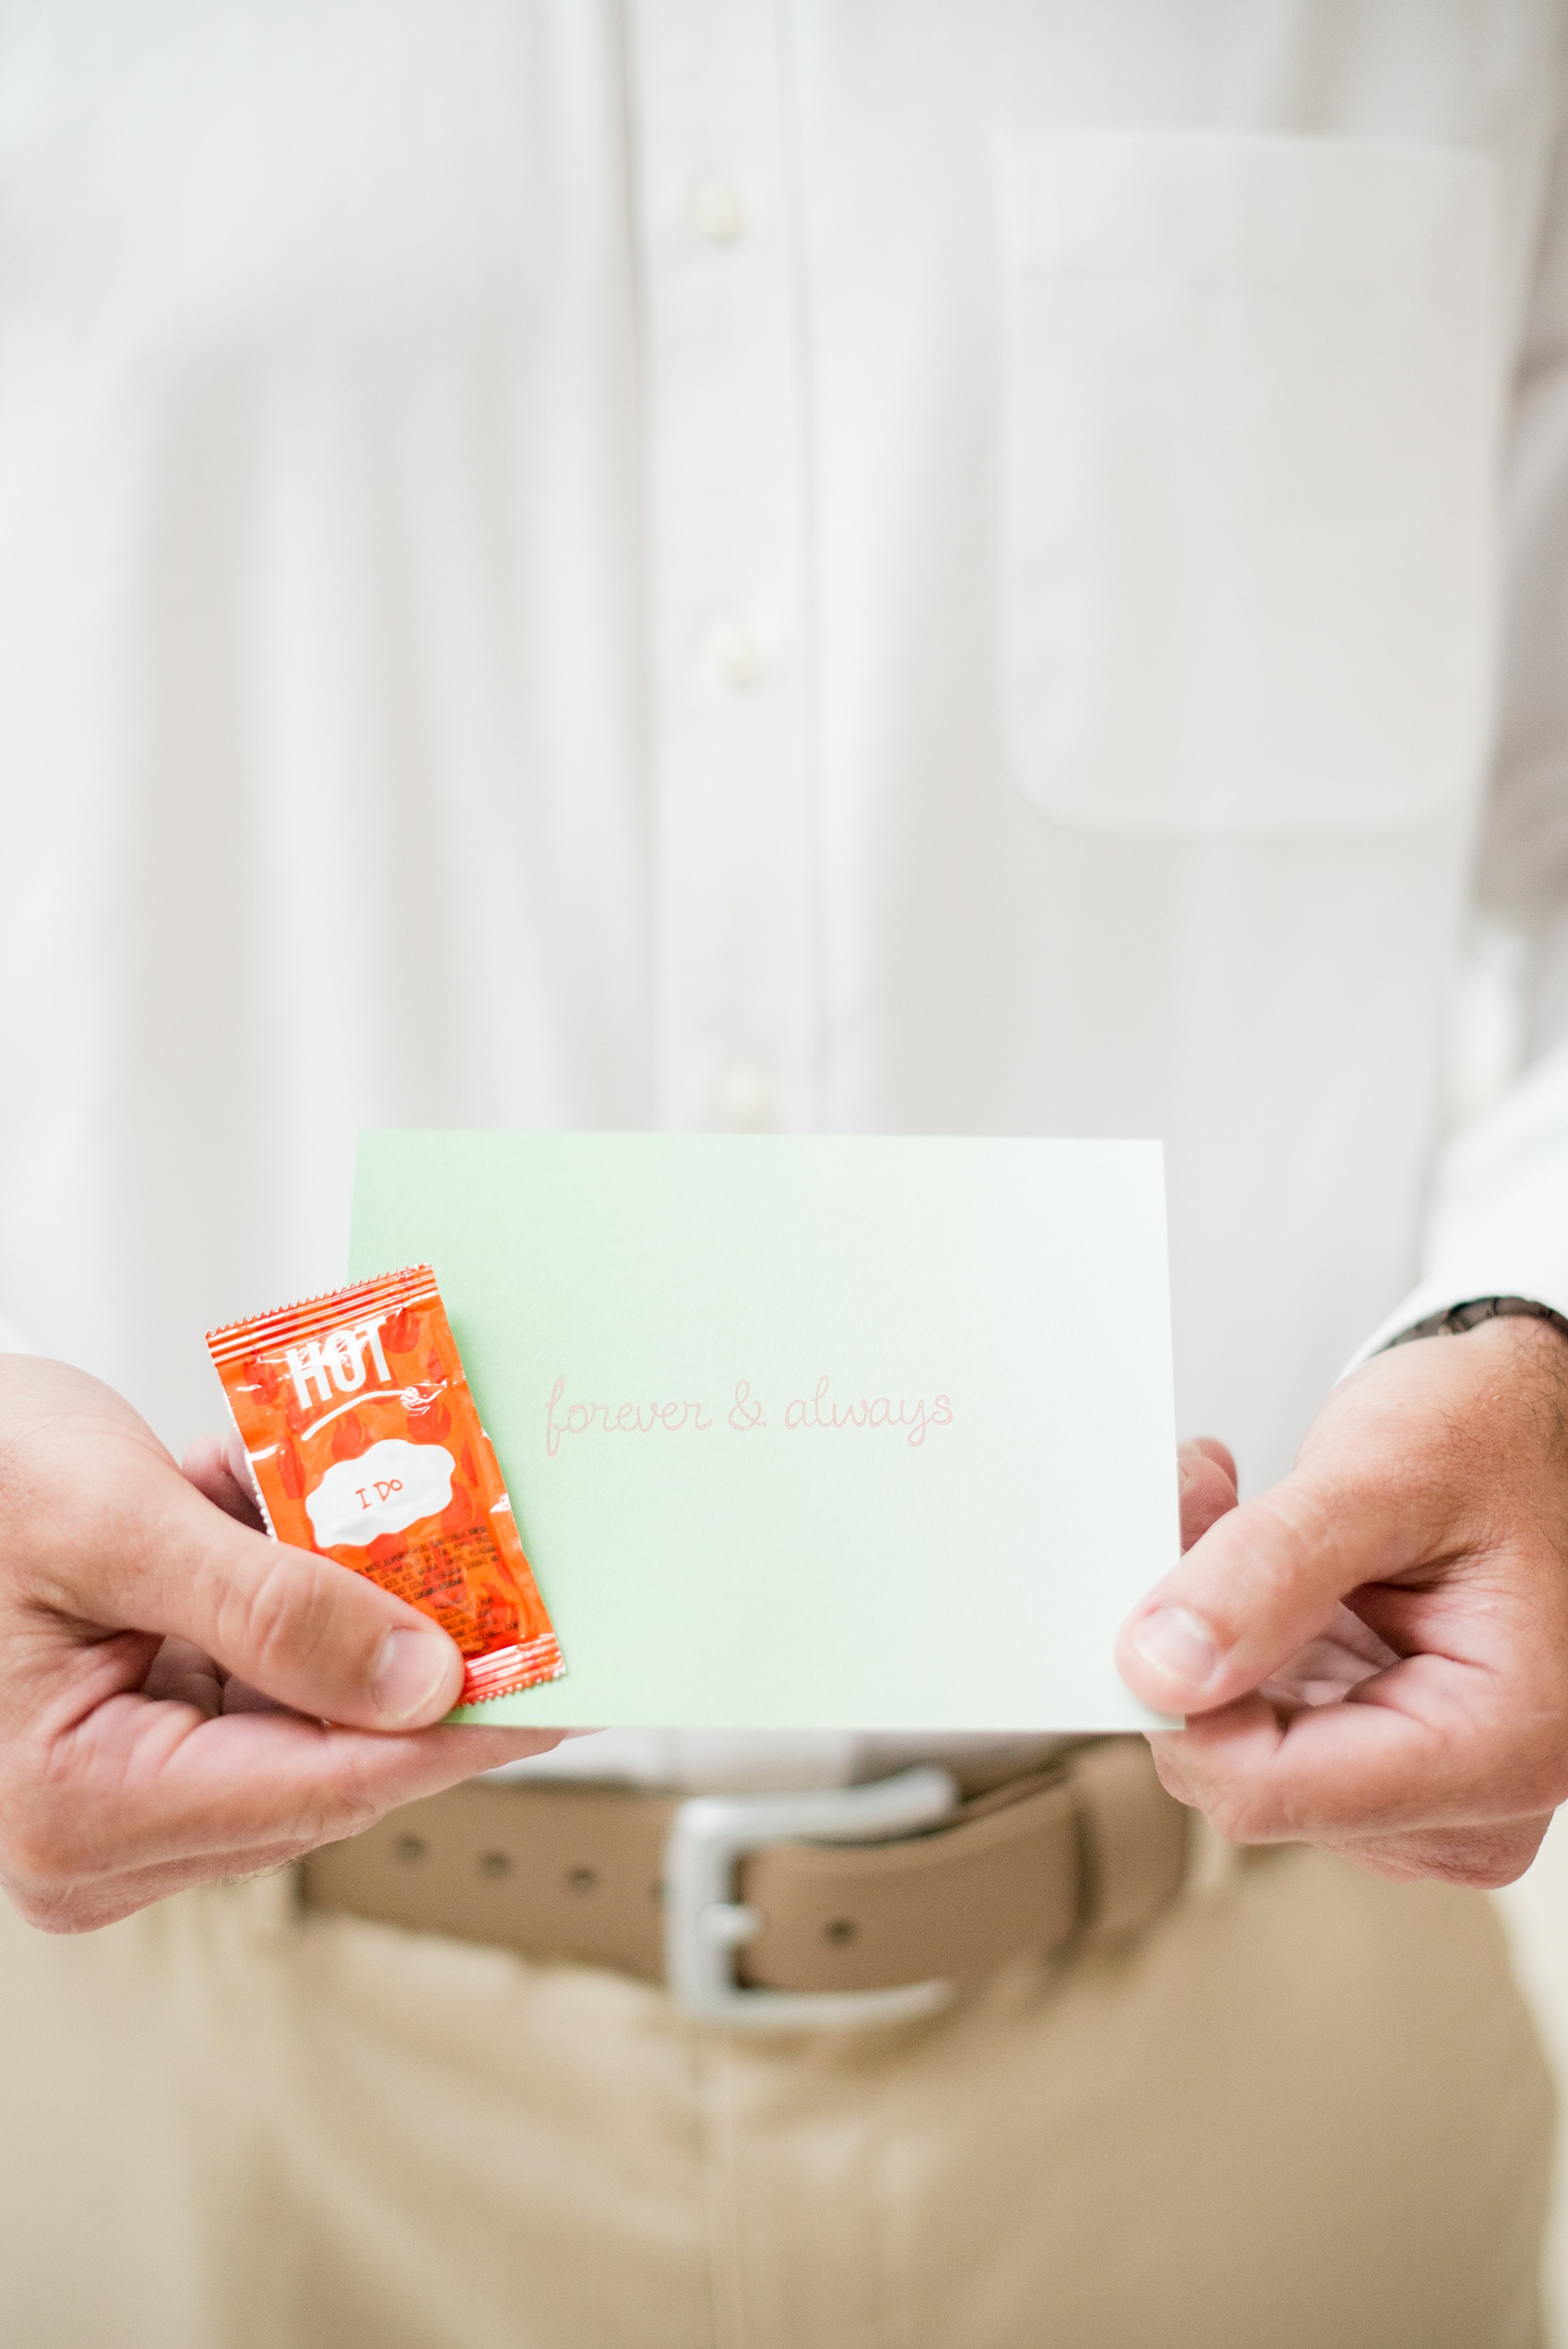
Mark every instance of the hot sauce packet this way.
pixel 364 1444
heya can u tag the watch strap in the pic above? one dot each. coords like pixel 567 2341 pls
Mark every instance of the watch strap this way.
pixel 1457 1319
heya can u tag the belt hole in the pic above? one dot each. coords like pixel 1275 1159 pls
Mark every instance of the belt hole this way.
pixel 494 1863
pixel 411 1847
pixel 841 1929
pixel 582 1880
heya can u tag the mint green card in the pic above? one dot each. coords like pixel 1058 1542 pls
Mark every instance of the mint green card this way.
pixel 810 1433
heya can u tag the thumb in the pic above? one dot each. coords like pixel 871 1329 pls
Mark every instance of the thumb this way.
pixel 305 1630
pixel 1257 1586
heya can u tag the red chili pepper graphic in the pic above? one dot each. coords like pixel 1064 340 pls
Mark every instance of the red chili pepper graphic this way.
pixel 348 1438
pixel 401 1335
pixel 291 1472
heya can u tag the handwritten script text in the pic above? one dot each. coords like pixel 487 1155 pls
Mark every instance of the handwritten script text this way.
pixel 747 1414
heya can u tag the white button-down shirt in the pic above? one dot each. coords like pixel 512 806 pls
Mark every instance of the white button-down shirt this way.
pixel 903 565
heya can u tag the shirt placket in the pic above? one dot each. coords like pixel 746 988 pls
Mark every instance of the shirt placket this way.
pixel 734 863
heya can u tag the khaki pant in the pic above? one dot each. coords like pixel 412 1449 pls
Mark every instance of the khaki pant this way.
pixel 1307 2109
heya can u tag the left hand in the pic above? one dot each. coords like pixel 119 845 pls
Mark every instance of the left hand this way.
pixel 1374 1655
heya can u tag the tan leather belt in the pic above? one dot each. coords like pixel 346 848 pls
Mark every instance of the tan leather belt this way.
pixel 792 1910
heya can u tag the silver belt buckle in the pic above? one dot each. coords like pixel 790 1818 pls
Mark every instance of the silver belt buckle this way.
pixel 705 1923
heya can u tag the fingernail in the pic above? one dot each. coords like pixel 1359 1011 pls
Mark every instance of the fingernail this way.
pixel 413 1673
pixel 1178 1644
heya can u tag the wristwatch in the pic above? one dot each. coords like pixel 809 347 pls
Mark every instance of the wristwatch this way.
pixel 1460 1318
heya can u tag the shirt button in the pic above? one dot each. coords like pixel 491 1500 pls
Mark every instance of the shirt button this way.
pixel 735 654
pixel 717 211
pixel 744 1097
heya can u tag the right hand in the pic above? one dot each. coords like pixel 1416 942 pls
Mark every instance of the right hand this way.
pixel 181 1699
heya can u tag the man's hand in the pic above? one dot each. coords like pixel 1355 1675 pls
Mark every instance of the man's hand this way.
pixel 1376 1651
pixel 181 1699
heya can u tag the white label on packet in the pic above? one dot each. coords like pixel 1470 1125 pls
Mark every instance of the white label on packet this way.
pixel 388 1489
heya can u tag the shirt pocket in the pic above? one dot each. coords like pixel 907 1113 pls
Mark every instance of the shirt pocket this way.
pixel 1249 416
